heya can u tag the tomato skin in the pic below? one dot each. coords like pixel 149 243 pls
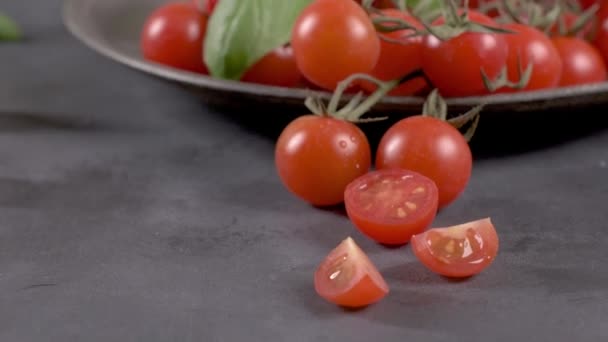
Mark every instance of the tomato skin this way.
pixel 601 38
pixel 317 157
pixel 278 68
pixel 454 65
pixel 348 278
pixel 533 46
pixel 379 221
pixel 432 148
pixel 173 35
pixel 437 248
pixel 582 62
pixel 333 39
pixel 569 19
pixel 206 6
pixel 399 59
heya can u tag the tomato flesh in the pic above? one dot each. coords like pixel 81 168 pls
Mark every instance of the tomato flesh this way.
pixel 458 251
pixel 173 35
pixel 390 206
pixel 317 157
pixel 348 278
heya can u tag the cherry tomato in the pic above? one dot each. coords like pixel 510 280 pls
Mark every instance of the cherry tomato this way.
pixel 459 251
pixel 454 65
pixel 399 59
pixel 582 62
pixel 532 46
pixel 173 35
pixel 601 39
pixel 432 148
pixel 317 157
pixel 333 39
pixel 206 6
pixel 569 19
pixel 381 3
pixel 348 278
pixel 390 206
pixel 480 5
pixel 277 68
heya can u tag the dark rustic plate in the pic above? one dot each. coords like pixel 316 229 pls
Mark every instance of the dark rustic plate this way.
pixel 112 27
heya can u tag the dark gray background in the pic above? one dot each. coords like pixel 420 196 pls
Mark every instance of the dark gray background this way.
pixel 129 211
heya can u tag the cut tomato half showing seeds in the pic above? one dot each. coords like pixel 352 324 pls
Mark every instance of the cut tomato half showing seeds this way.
pixel 391 205
pixel 459 251
pixel 348 278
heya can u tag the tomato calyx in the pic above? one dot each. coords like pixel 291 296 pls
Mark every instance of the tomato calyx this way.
pixel 502 80
pixel 457 22
pixel 436 107
pixel 357 106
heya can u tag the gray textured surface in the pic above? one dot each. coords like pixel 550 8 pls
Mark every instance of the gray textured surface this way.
pixel 131 212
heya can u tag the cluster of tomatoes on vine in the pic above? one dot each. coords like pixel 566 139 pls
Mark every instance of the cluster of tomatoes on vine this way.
pixel 496 46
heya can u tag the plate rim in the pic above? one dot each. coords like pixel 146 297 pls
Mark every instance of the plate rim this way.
pixel 79 31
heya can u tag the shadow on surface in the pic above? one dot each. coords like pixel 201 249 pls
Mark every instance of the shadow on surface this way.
pixel 29 121
pixel 499 134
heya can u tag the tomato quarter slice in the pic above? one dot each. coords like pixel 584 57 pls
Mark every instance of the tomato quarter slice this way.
pixel 348 278
pixel 458 251
pixel 391 205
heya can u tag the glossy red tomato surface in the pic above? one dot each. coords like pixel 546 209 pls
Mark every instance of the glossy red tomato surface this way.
pixel 454 66
pixel 348 278
pixel 173 35
pixel 458 251
pixel 333 39
pixel 601 37
pixel 432 148
pixel 581 62
pixel 390 206
pixel 277 68
pixel 317 157
pixel 532 46
pixel 398 59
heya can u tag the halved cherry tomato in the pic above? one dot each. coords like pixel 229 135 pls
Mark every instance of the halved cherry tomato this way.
pixel 398 59
pixel 333 39
pixel 277 68
pixel 459 251
pixel 317 157
pixel 432 148
pixel 173 35
pixel 390 206
pixel 581 62
pixel 348 278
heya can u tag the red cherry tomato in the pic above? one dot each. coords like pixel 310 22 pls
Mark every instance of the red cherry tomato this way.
pixel 432 148
pixel 459 251
pixel 173 35
pixel 277 68
pixel 582 62
pixel 480 5
pixel 390 206
pixel 399 59
pixel 532 46
pixel 206 6
pixel 569 19
pixel 454 65
pixel 317 157
pixel 348 278
pixel 601 38
pixel 381 3
pixel 333 39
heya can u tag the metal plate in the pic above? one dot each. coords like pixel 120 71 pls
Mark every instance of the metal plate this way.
pixel 112 28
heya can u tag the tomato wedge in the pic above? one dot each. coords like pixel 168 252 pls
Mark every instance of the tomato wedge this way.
pixel 391 205
pixel 348 278
pixel 458 251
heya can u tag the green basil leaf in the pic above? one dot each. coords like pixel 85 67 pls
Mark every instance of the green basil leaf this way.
pixel 8 29
pixel 240 32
